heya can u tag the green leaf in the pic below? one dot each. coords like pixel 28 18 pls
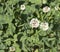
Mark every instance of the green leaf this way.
pixel 17 47
pixel 36 50
pixel 36 1
pixel 29 9
pixel 1 9
pixel 12 2
pixel 2 46
pixel 1 32
pixel 42 33
pixel 8 42
pixel 2 19
pixel 53 50
pixel 2 51
pixel 46 42
pixel 10 30
pixel 15 37
pixel 44 1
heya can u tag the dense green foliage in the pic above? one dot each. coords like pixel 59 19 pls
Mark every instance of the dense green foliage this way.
pixel 15 29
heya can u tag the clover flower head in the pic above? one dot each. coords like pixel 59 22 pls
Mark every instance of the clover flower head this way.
pixel 22 7
pixel 46 9
pixel 12 49
pixel 34 23
pixel 44 26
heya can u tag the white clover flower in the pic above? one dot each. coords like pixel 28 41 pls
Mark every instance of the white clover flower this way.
pixel 44 26
pixel 12 49
pixel 46 9
pixel 34 23
pixel 56 7
pixel 22 7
